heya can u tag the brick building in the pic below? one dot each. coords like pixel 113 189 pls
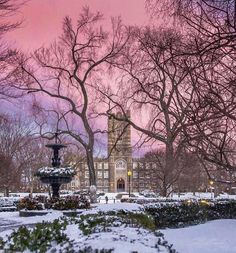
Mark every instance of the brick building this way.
pixel 112 172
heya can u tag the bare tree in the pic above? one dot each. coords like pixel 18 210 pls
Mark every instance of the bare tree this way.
pixel 159 84
pixel 211 26
pixel 67 72
pixel 35 155
pixel 212 22
pixel 15 137
pixel 188 174
pixel 212 139
pixel 212 114
pixel 158 157
pixel 8 8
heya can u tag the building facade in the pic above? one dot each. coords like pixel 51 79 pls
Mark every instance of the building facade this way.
pixel 119 154
pixel 112 172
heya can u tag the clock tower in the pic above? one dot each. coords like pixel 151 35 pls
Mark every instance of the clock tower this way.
pixel 120 154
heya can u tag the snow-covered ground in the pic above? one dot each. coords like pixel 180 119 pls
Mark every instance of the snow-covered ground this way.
pixel 218 236
pixel 112 196
pixel 9 219
pixel 183 196
pixel 212 237
pixel 129 207
pixel 121 238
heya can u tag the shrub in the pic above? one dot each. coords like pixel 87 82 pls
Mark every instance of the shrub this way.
pixel 65 203
pixel 37 240
pixel 49 237
pixel 30 204
pixel 189 213
pixel 124 196
pixel 69 202
pixel 101 222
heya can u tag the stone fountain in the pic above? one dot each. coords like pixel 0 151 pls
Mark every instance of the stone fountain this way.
pixel 55 175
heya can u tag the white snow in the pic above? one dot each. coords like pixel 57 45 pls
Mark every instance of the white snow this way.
pixel 201 195
pixel 128 207
pixel 218 236
pixel 11 220
pixel 51 171
pixel 14 216
pixel 121 239
pixel 175 196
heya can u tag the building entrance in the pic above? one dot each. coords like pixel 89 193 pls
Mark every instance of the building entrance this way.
pixel 120 185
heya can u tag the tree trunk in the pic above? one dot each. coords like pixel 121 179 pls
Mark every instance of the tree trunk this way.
pixel 7 191
pixel 31 188
pixel 164 190
pixel 169 163
pixel 92 175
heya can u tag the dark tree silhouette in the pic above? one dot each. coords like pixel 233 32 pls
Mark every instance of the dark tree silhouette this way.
pixel 67 73
pixel 158 84
pixel 7 9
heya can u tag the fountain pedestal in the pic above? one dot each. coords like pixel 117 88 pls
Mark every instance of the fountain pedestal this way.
pixel 55 175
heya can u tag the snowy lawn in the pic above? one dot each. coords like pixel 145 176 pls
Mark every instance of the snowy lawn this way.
pixel 129 230
pixel 122 239
pixel 218 236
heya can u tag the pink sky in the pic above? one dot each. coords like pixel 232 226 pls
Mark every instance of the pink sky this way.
pixel 42 19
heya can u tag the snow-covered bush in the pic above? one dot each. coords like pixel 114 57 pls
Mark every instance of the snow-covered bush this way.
pixel 124 196
pixel 65 203
pixel 69 202
pixel 6 202
pixel 58 172
pixel 179 214
pixel 142 201
pixel 149 194
pixel 37 240
pixel 101 222
pixel 30 204
pixel 76 234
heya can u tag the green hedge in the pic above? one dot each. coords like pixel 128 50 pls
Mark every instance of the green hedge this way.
pixel 188 213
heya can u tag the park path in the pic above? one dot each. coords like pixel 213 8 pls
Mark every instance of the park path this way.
pixel 6 224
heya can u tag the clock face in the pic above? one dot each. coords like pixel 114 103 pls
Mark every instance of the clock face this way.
pixel 121 164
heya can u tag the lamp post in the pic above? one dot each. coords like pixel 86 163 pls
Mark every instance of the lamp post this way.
pixel 129 177
pixel 211 182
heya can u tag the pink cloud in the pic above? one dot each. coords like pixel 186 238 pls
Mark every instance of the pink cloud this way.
pixel 42 19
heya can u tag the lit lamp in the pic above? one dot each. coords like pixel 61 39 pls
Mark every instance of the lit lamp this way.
pixel 129 177
pixel 211 182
